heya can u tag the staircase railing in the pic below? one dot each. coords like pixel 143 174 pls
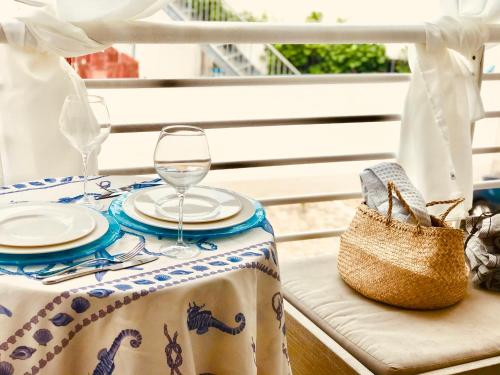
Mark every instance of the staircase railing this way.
pixel 232 59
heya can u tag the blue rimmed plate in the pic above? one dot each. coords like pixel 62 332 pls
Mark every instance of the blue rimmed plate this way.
pixel 100 222
pixel 256 219
pixel 31 225
pixel 107 239
pixel 129 206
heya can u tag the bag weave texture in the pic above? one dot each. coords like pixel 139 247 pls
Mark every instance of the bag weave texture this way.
pixel 404 264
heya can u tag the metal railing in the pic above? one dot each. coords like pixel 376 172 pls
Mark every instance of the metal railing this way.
pixel 232 59
pixel 257 33
pixel 229 32
pixel 303 121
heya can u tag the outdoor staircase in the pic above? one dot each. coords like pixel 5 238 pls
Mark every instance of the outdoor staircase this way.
pixel 229 59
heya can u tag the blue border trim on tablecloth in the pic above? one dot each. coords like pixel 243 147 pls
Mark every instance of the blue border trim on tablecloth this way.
pixel 46 183
pixel 113 234
pixel 256 221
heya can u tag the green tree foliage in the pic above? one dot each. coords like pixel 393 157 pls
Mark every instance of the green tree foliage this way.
pixel 310 58
pixel 338 58
pixel 315 17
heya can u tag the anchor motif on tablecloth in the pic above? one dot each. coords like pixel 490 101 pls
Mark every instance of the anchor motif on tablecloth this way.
pixel 106 357
pixel 171 348
pixel 201 320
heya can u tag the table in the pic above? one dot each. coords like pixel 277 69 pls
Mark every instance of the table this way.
pixel 220 313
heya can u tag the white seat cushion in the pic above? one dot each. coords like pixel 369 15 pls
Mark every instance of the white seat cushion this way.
pixel 390 340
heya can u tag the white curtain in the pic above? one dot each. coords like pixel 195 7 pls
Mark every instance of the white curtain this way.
pixel 443 100
pixel 35 79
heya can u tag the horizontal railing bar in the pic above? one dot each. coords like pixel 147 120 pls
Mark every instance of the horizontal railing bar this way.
pixel 491 76
pixel 326 197
pixel 327 233
pixel 485 150
pixel 240 164
pixel 299 161
pixel 309 198
pixel 193 32
pixel 127 171
pixel 254 32
pixel 492 114
pixel 264 163
pixel 491 184
pixel 321 120
pixel 303 79
pixel 312 235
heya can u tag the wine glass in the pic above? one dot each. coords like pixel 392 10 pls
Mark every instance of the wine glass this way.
pixel 85 122
pixel 182 159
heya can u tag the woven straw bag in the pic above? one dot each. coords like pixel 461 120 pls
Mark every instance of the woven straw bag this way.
pixel 404 264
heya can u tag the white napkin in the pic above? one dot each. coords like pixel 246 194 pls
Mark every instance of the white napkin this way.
pixel 374 181
pixel 442 101
pixel 35 79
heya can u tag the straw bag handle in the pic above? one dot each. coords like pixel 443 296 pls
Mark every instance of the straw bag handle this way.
pixel 454 203
pixel 391 187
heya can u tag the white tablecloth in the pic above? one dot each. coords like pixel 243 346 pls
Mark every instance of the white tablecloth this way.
pixel 220 313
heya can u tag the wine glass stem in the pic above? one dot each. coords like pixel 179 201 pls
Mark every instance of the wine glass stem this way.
pixel 180 239
pixel 85 159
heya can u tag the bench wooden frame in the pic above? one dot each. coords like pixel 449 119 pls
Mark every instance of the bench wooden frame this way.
pixel 313 352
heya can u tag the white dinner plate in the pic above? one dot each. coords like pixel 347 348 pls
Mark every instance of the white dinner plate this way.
pixel 101 227
pixel 246 212
pixel 201 204
pixel 42 224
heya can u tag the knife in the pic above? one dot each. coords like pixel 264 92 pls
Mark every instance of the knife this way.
pixel 115 267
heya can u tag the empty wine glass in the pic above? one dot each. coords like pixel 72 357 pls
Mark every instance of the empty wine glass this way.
pixel 85 122
pixel 182 159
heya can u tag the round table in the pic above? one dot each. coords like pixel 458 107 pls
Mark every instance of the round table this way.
pixel 220 313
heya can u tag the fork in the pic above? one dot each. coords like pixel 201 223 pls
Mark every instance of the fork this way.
pixel 118 259
pixel 115 192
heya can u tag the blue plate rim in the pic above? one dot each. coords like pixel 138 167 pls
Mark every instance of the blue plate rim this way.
pixel 116 210
pixel 112 234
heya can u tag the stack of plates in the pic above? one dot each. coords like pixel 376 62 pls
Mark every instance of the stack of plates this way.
pixel 38 229
pixel 209 211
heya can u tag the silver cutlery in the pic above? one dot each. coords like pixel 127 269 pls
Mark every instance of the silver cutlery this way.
pixel 107 196
pixel 116 192
pixel 112 192
pixel 89 271
pixel 118 259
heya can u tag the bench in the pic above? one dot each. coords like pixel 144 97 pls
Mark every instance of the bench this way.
pixel 332 329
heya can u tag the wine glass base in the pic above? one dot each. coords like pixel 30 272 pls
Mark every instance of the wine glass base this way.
pixel 180 251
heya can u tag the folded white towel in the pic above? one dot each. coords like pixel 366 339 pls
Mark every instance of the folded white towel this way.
pixel 374 187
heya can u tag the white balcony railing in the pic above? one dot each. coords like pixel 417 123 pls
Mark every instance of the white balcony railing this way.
pixel 256 32
pixel 238 32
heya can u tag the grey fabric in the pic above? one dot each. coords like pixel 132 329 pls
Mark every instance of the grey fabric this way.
pixel 483 250
pixel 374 187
